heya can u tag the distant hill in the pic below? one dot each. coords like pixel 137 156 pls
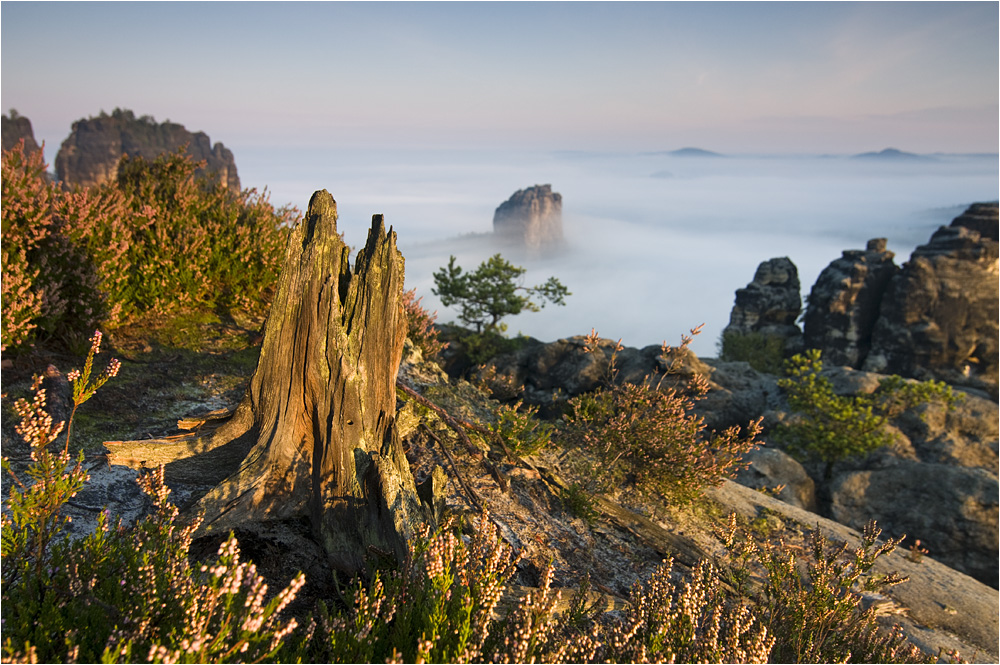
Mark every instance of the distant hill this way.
pixel 891 154
pixel 693 152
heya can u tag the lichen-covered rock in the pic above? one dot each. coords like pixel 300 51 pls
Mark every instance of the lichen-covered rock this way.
pixel 939 315
pixel 844 303
pixel 951 509
pixel 531 218
pixel 90 155
pixel 770 304
pixel 15 128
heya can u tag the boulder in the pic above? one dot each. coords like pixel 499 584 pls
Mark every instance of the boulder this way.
pixel 531 218
pixel 844 303
pixel 939 315
pixel 770 304
pixel 952 510
pixel 90 155
pixel 737 394
pixel 771 468
pixel 16 128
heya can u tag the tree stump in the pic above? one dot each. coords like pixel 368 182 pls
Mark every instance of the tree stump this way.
pixel 315 432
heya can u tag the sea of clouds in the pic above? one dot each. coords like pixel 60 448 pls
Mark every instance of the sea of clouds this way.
pixel 656 243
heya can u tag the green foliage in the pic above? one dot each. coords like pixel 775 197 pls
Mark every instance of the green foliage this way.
pixel 649 434
pixel 520 429
pixel 119 594
pixel 831 427
pixel 765 353
pixel 492 292
pixel 818 618
pixel 579 502
pixel 420 326
pixel 155 240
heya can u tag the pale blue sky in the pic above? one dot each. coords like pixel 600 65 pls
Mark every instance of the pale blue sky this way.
pixel 732 77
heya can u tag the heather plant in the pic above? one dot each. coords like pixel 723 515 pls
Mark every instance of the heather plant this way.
pixel 831 427
pixel 648 434
pixel 689 622
pixel 520 430
pixel 156 239
pixel 50 286
pixel 818 617
pixel 420 326
pixel 119 594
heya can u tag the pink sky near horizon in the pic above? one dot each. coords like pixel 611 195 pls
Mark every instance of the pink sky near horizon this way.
pixel 750 77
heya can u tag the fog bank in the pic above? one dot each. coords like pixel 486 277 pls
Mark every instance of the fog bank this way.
pixel 656 243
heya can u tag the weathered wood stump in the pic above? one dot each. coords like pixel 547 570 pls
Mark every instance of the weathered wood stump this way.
pixel 315 432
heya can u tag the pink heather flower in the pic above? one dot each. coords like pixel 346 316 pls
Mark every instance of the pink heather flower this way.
pixel 95 342
pixel 73 375
pixel 113 367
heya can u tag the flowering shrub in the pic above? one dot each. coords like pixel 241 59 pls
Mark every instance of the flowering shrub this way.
pixel 119 594
pixel 818 618
pixel 648 433
pixel 50 286
pixel 156 239
pixel 420 326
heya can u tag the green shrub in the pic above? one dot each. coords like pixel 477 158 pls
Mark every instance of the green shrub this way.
pixel 155 240
pixel 765 353
pixel 520 429
pixel 831 427
pixel 649 434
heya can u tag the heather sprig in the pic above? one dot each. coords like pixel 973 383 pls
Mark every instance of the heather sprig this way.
pixel 83 389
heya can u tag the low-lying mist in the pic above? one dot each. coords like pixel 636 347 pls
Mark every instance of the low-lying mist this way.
pixel 655 243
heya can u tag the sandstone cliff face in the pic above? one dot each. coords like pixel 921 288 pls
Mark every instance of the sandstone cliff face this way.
pixel 770 304
pixel 15 128
pixel 844 303
pixel 531 218
pixel 90 155
pixel 939 315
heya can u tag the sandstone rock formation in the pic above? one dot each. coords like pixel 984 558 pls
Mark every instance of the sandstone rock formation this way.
pixel 771 468
pixel 939 315
pixel 770 304
pixel 952 510
pixel 17 127
pixel 531 218
pixel 844 303
pixel 90 155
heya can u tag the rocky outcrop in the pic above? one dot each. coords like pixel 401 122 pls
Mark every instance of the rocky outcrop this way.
pixel 90 155
pixel 983 218
pixel 775 471
pixel 16 128
pixel 939 315
pixel 531 218
pixel 952 510
pixel 844 303
pixel 770 304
